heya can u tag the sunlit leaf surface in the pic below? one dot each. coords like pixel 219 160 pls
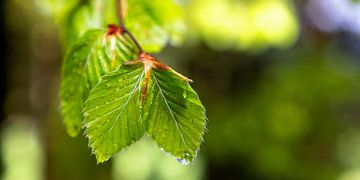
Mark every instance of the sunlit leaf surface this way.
pixel 112 116
pixel 144 94
pixel 176 117
pixel 94 54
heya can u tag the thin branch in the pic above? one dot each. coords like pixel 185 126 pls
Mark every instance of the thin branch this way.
pixel 137 44
pixel 119 12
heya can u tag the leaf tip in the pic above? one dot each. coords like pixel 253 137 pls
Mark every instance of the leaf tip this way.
pixel 101 158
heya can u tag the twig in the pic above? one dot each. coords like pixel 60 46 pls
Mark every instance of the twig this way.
pixel 119 12
pixel 121 23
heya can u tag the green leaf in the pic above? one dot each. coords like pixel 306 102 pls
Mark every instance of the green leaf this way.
pixel 162 19
pixel 144 95
pixel 154 23
pixel 90 57
pixel 176 118
pixel 112 113
pixel 72 79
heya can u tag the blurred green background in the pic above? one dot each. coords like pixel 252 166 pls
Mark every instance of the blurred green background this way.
pixel 279 78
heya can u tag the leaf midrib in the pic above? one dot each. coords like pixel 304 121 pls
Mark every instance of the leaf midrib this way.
pixel 171 112
pixel 122 108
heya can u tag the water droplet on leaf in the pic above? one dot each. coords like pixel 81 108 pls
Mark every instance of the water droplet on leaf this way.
pixel 183 161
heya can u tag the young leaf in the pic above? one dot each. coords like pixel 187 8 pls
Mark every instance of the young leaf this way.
pixel 162 19
pixel 176 118
pixel 144 94
pixel 72 78
pixel 112 114
pixel 94 54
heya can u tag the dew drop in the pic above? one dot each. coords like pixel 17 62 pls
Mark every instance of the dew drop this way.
pixel 183 161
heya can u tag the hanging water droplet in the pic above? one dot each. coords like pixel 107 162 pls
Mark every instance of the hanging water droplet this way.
pixel 183 161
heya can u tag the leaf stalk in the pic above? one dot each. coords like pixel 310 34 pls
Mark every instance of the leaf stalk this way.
pixel 119 12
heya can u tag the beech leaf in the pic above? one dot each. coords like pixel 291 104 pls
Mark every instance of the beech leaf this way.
pixel 90 57
pixel 144 95
pixel 112 116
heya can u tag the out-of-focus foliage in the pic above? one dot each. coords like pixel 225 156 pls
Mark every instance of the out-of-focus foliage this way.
pixel 224 24
pixel 292 119
pixel 245 25
pixel 154 23
pixel 22 151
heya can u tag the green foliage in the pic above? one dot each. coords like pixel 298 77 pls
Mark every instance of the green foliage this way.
pixel 138 98
pixel 117 104
pixel 90 57
pixel 175 116
pixel 120 103
pixel 112 116
pixel 154 23
pixel 162 19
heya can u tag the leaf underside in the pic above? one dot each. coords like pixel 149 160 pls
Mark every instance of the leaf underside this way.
pixel 172 114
